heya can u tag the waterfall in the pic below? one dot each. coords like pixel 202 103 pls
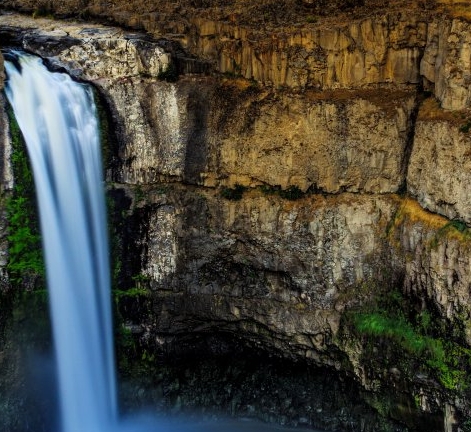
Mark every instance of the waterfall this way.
pixel 58 120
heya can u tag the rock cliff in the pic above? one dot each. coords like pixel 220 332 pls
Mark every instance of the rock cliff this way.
pixel 289 185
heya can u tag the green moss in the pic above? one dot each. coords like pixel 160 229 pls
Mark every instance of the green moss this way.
pixel 43 10
pixel 233 194
pixel 465 127
pixel 466 426
pixel 24 305
pixel 422 342
pixel 459 226
pixel 25 262
pixel 291 193
pixel 270 190
pixel 452 229
pixel 128 350
pixel 395 328
pixel 130 293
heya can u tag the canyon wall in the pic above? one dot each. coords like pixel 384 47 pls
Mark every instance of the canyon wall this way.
pixel 296 179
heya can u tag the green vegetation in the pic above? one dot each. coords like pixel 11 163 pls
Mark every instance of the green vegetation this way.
pixel 311 19
pixel 43 10
pixel 25 264
pixel 441 357
pixel 458 225
pixel 233 194
pixel 139 290
pixel 128 350
pixel 455 229
pixel 423 342
pixel 465 127
pixel 25 289
pixel 291 193
pixel 130 293
pixel 466 427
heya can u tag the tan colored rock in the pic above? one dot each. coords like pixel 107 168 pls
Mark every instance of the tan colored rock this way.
pixel 371 51
pixel 365 52
pixel 446 62
pixel 440 167
pixel 351 143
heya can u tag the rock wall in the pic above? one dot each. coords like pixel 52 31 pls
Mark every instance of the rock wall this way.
pixel 446 63
pixel 361 53
pixel 203 132
pixel 441 147
pixel 247 206
pixel 231 265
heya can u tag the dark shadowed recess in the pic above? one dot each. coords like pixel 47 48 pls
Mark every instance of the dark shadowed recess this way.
pixel 205 377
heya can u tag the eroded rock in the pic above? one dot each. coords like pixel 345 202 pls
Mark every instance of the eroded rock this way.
pixel 438 172
pixel 446 62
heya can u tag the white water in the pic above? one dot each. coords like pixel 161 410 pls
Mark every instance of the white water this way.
pixel 57 118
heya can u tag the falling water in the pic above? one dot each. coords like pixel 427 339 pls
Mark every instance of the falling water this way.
pixel 57 118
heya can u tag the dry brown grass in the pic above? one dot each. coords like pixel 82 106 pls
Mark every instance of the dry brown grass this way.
pixel 411 211
pixel 430 110
pixel 386 99
pixel 456 8
pixel 442 229
pixel 238 83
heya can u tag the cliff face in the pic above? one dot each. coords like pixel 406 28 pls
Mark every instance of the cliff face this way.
pixel 272 200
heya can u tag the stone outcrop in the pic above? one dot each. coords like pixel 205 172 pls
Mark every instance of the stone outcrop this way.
pixel 438 173
pixel 89 53
pixel 284 274
pixel 231 264
pixel 343 142
pixel 335 53
pixel 363 53
pixel 446 62
pixel 203 131
pixel 437 266
pixel 200 170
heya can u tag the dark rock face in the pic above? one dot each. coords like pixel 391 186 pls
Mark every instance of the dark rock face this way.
pixel 218 376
